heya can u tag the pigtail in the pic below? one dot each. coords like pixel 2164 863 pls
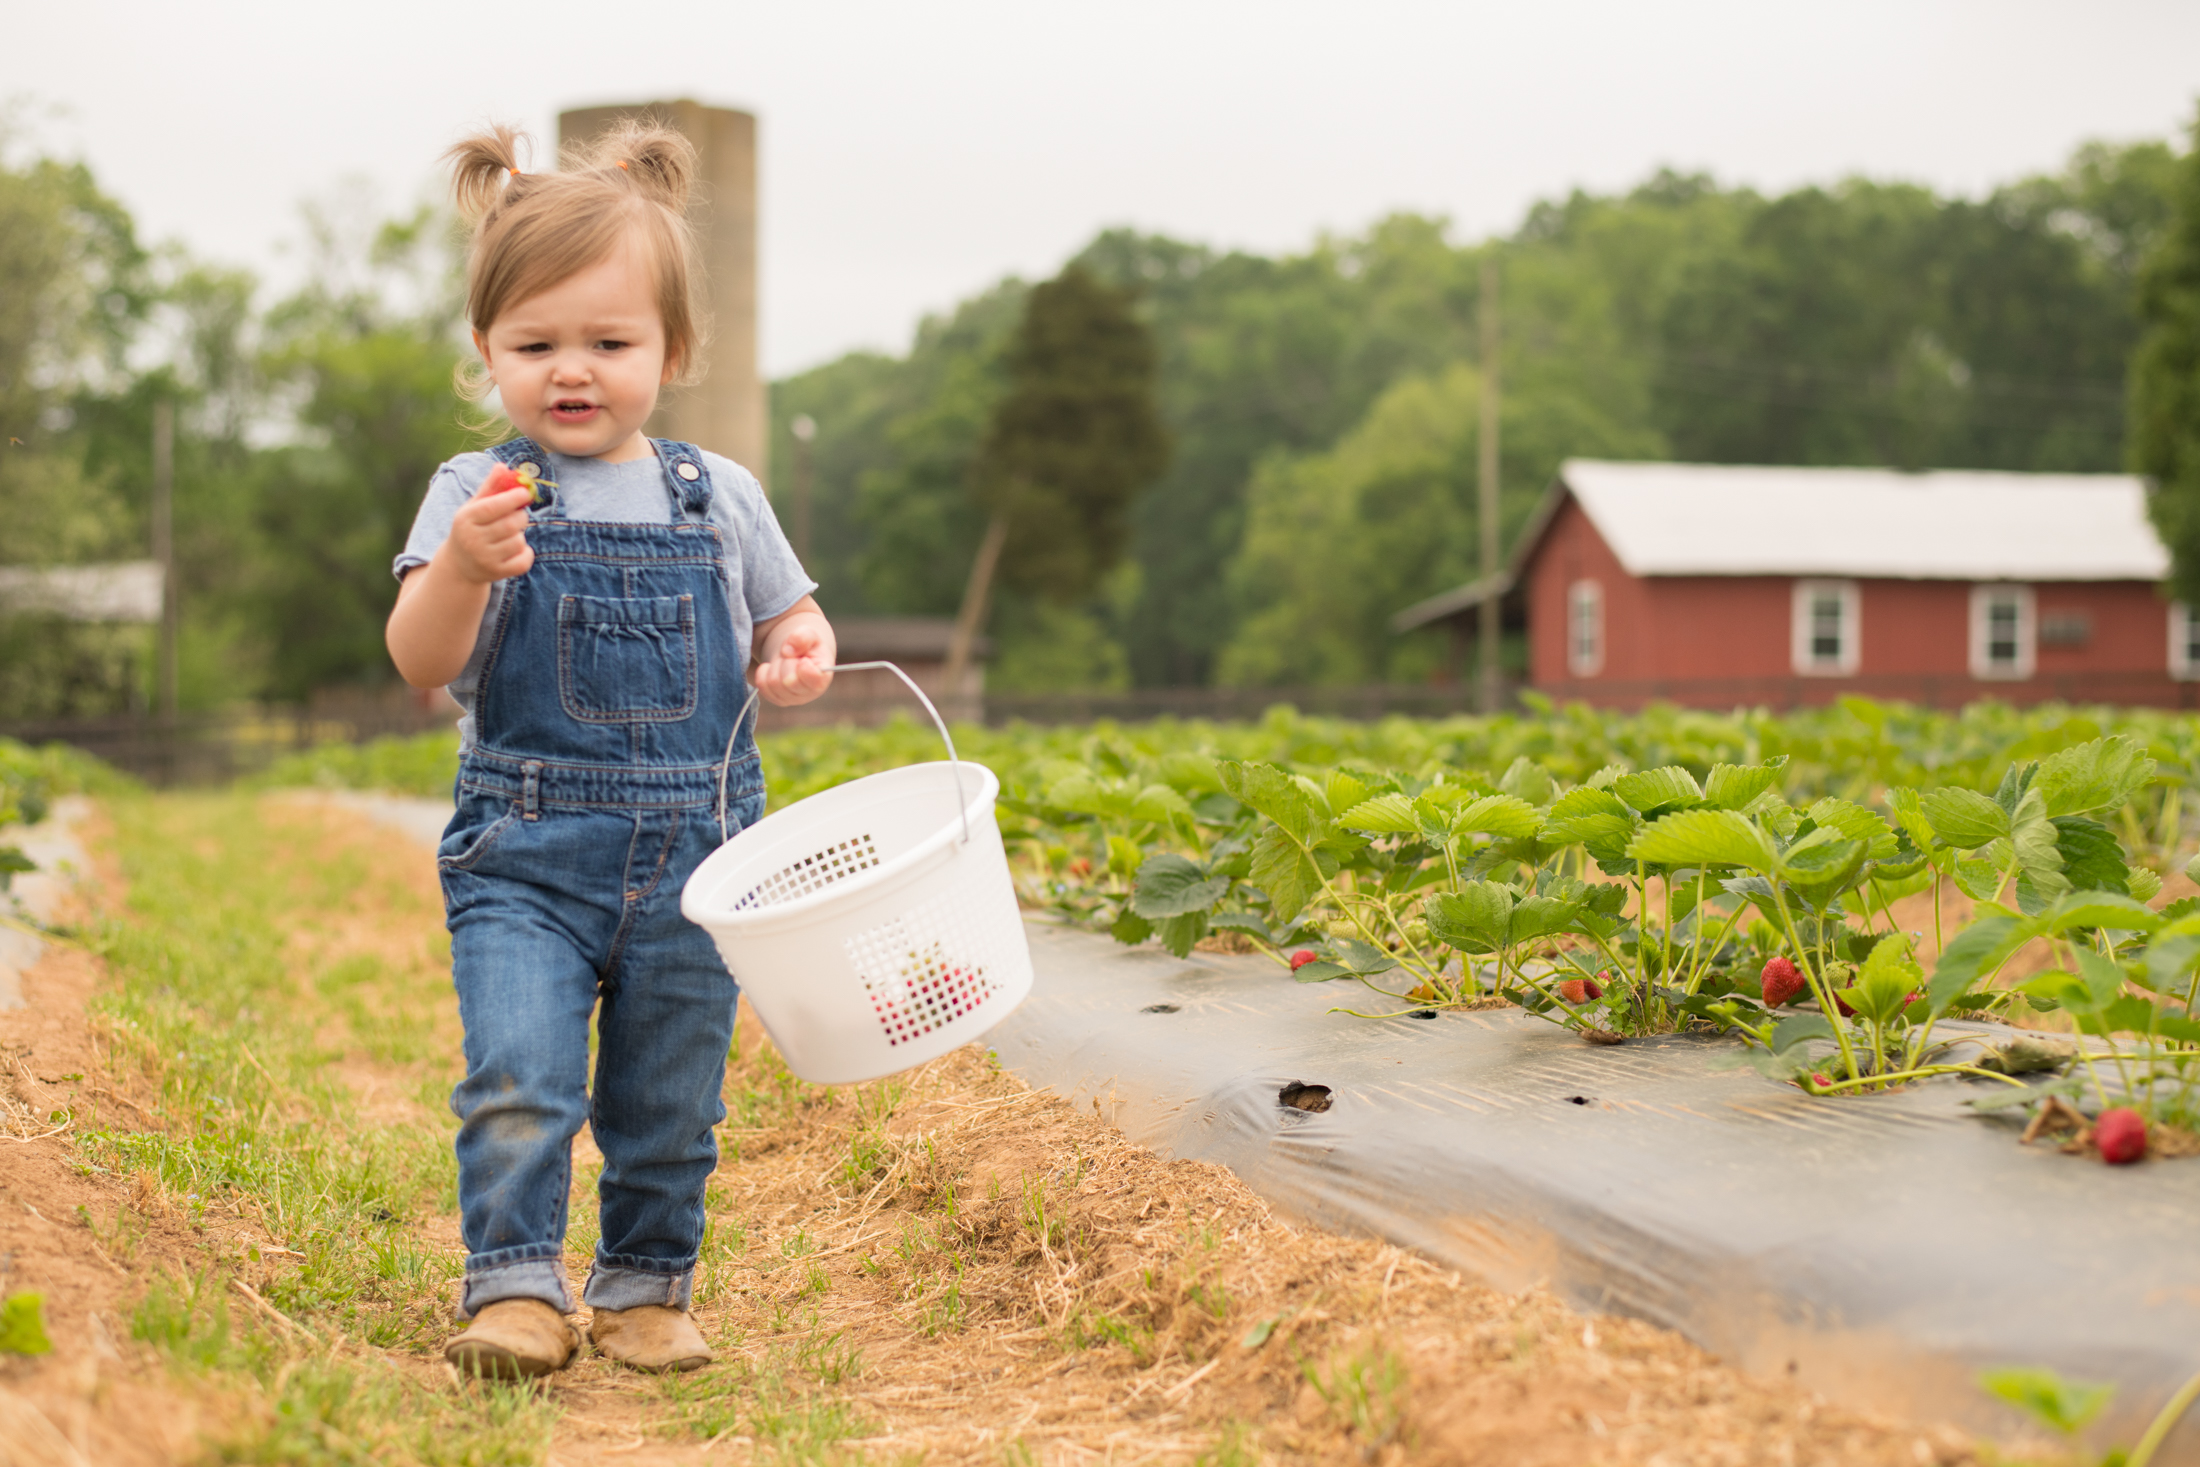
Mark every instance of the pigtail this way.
pixel 532 230
pixel 482 168
pixel 659 163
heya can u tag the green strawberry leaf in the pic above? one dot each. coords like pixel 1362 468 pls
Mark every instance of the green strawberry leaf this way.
pixel 1169 885
pixel 1247 923
pixel 1160 804
pixel 1363 959
pixel 1477 918
pixel 1505 816
pixel 2091 857
pixel 1384 815
pixel 1790 1032
pixel 2080 910
pixel 1527 780
pixel 1129 928
pixel 1704 838
pixel 1180 932
pixel 2100 775
pixel 1964 819
pixel 1594 818
pixel 1738 786
pixel 1655 791
pixel 1976 952
pixel 1282 869
pixel 1274 793
pixel 1978 880
pixel 1856 823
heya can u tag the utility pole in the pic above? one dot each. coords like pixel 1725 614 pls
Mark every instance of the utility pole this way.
pixel 977 597
pixel 164 550
pixel 804 428
pixel 1487 614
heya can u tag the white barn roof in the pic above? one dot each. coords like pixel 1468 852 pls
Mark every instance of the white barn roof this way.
pixel 1966 525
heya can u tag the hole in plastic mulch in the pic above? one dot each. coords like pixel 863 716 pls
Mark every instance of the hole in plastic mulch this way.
pixel 1301 1096
pixel 1159 1008
pixel 1577 1100
pixel 1422 1014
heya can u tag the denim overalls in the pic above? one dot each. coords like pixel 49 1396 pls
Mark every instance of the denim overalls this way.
pixel 604 707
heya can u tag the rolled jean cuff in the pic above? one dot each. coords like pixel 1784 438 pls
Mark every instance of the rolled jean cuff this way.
pixel 531 1278
pixel 617 1286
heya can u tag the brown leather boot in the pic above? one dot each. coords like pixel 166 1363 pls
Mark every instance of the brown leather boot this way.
pixel 514 1339
pixel 653 1337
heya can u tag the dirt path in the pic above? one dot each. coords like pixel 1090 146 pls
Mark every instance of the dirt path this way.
pixel 946 1267
pixel 94 1399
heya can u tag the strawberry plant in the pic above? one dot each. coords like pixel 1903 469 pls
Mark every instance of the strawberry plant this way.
pixel 1643 902
pixel 1641 873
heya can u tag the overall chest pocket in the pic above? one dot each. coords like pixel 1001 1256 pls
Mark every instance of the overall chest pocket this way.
pixel 627 659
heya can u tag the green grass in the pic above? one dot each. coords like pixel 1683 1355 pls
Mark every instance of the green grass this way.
pixel 240 1026
pixel 785 1404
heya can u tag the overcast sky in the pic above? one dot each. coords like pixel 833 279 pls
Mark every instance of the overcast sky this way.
pixel 912 154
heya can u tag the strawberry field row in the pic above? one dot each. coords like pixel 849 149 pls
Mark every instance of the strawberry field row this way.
pixel 1637 875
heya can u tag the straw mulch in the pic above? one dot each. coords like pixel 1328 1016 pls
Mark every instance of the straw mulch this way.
pixel 955 1268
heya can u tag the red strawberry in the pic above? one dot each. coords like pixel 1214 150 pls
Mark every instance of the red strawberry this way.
pixel 1819 1080
pixel 503 477
pixel 1595 987
pixel 1080 867
pixel 1781 982
pixel 2121 1134
pixel 1843 1005
pixel 1301 958
pixel 1575 990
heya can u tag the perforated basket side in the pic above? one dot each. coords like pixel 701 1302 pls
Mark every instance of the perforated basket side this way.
pixel 936 964
pixel 813 872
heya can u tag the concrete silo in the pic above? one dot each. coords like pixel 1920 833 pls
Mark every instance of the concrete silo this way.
pixel 725 411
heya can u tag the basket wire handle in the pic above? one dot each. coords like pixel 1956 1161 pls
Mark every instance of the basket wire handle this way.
pixel 962 806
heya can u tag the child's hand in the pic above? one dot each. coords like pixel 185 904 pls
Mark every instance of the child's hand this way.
pixel 795 655
pixel 488 540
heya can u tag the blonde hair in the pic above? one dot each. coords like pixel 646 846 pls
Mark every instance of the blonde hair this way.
pixel 533 230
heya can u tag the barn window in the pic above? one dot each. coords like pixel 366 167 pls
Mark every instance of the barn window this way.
pixel 1826 633
pixel 2003 631
pixel 2184 641
pixel 2065 628
pixel 1585 629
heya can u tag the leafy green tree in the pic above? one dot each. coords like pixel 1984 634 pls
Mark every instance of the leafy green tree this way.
pixel 1256 356
pixel 1861 323
pixel 1075 439
pixel 2165 379
pixel 1338 541
pixel 922 525
pixel 74 289
pixel 368 347
pixel 852 401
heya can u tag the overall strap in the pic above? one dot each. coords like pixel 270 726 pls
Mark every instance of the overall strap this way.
pixel 525 452
pixel 687 477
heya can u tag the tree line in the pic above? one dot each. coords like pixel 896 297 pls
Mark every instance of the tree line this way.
pixel 1302 468
pixel 1321 407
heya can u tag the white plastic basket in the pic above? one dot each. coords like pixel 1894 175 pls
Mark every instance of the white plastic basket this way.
pixel 873 926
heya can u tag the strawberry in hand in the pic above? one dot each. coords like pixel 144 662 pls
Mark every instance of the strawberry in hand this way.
pixel 504 477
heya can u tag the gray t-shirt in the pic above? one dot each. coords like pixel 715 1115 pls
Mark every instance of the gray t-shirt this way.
pixel 763 578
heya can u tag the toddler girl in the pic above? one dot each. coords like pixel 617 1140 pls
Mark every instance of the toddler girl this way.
pixel 595 622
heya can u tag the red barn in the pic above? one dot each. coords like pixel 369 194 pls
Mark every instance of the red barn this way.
pixel 1717 585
